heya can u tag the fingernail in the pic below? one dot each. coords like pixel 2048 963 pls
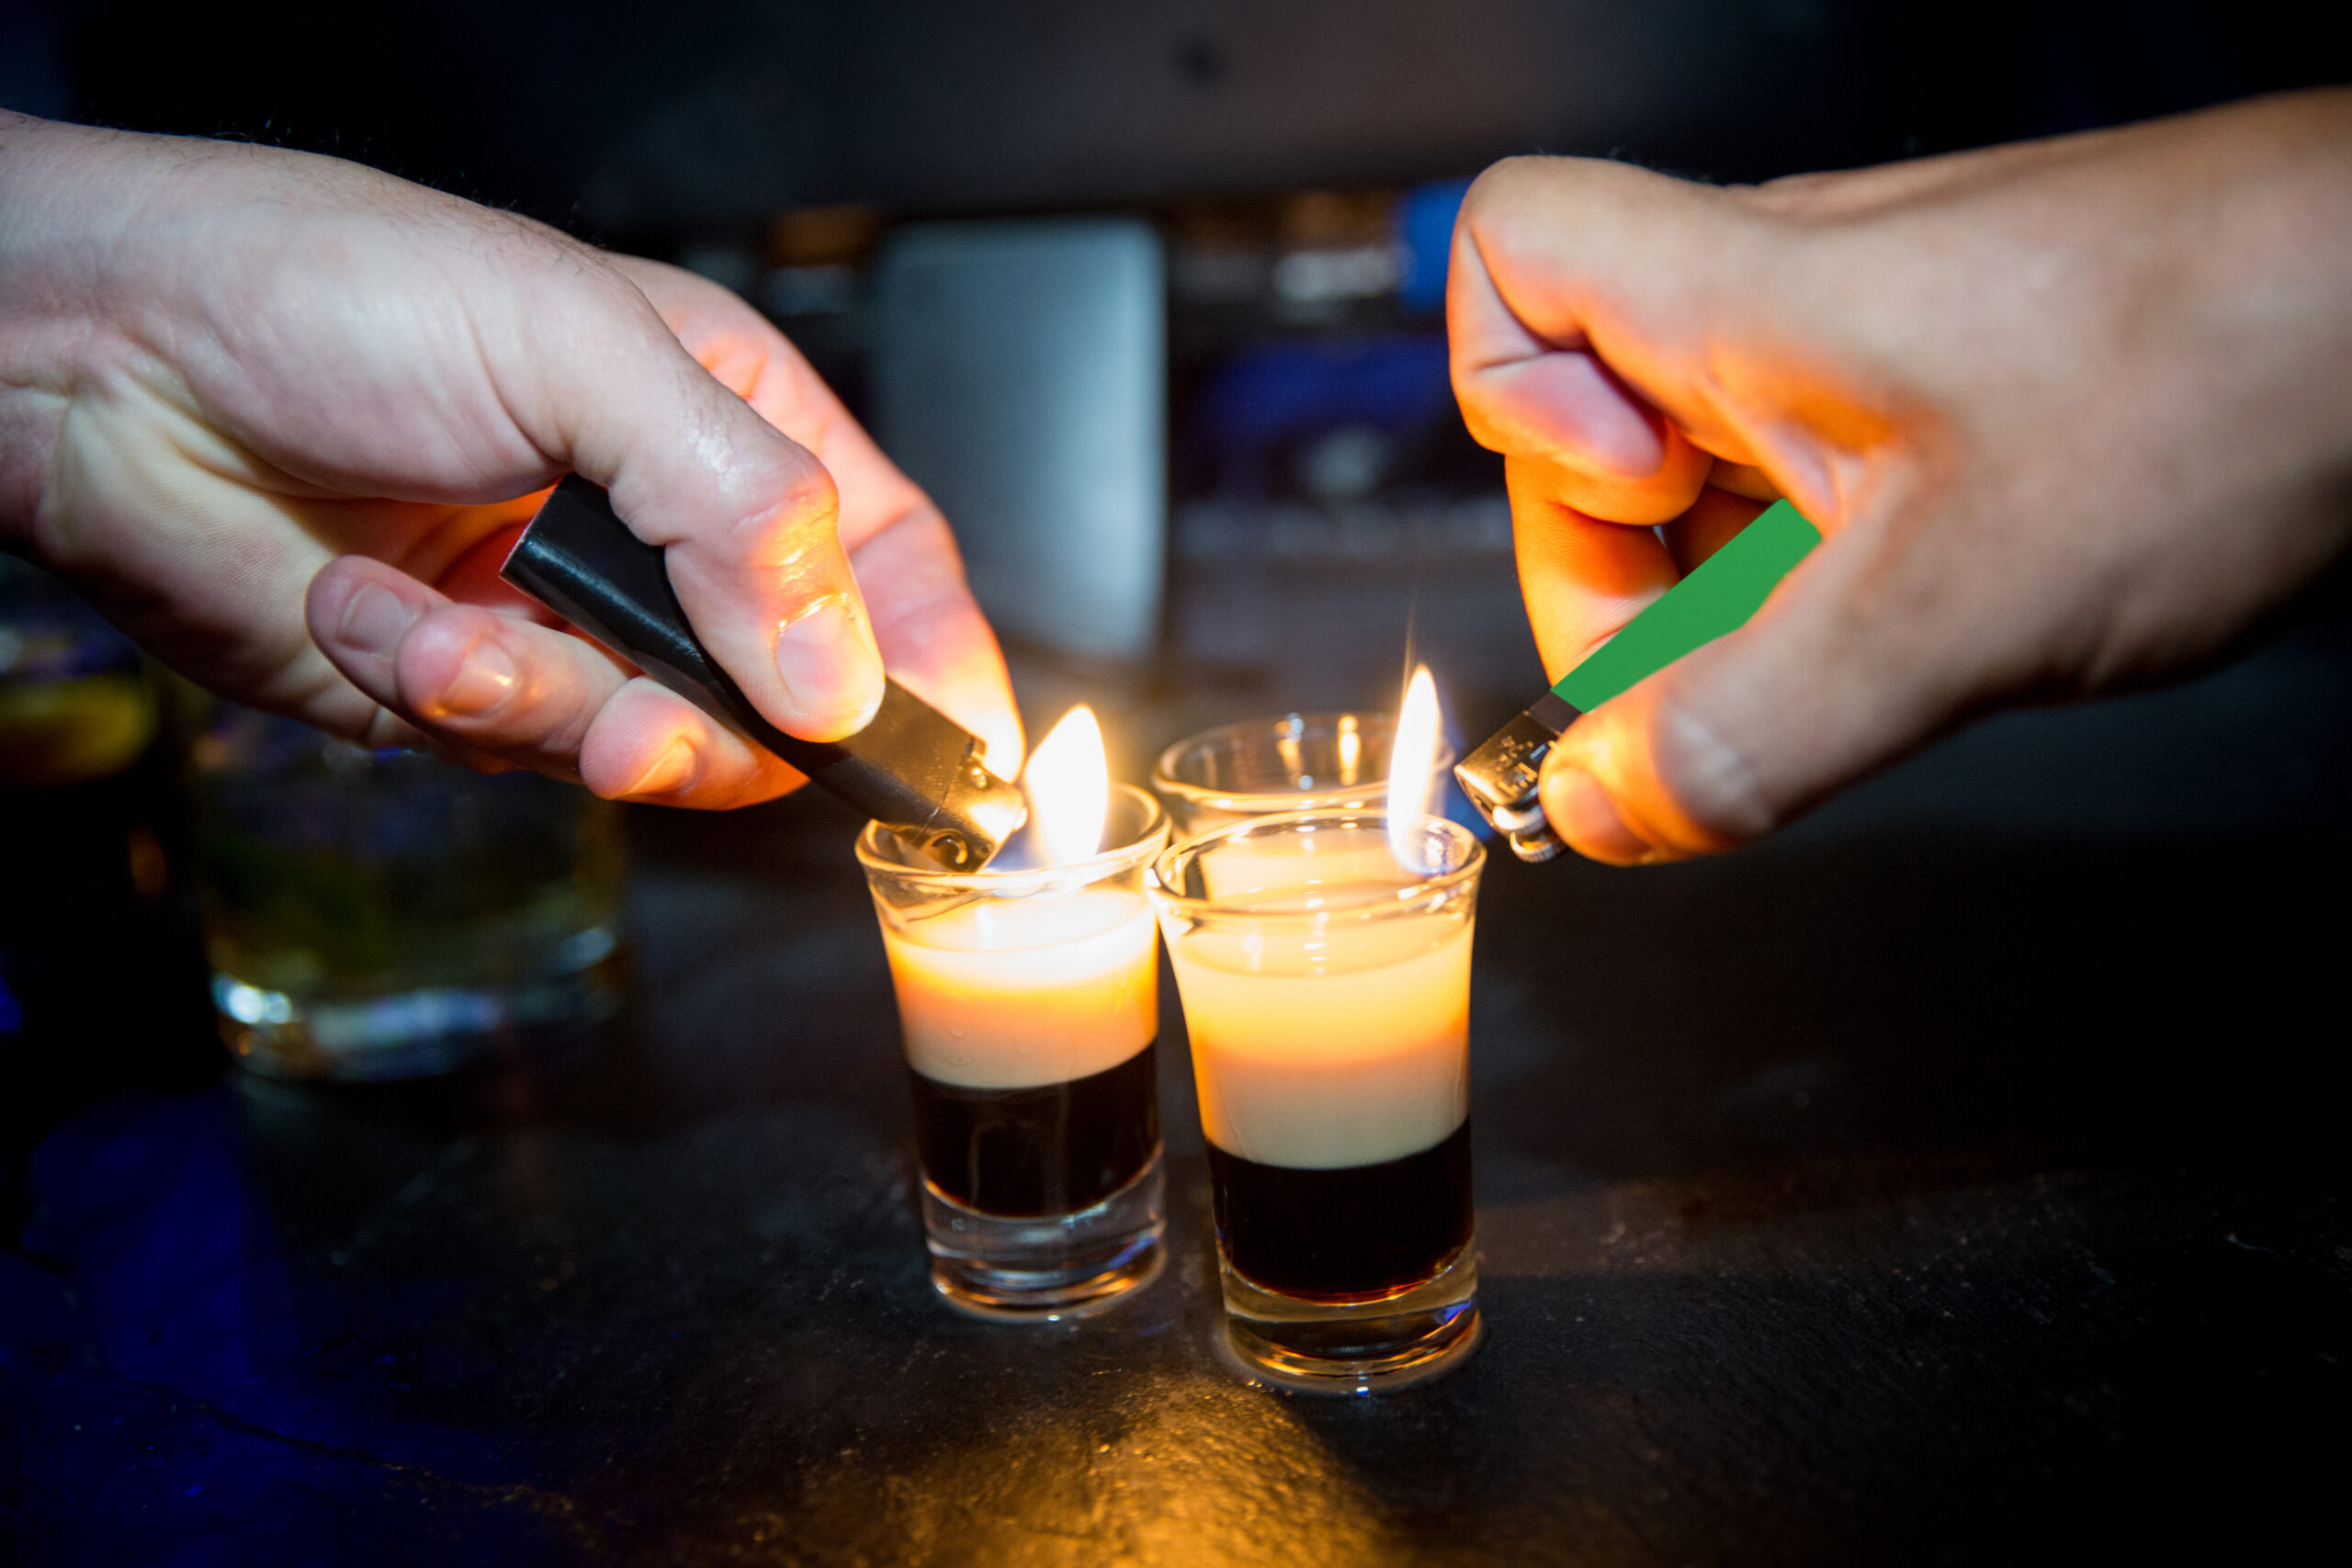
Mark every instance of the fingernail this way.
pixel 829 672
pixel 483 682
pixel 375 621
pixel 669 772
pixel 1584 815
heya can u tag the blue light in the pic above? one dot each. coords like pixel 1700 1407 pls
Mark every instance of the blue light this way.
pixel 1425 242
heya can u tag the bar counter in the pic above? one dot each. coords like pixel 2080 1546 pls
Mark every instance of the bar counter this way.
pixel 1958 1178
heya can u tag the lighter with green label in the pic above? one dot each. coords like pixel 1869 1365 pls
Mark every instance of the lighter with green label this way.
pixel 1718 596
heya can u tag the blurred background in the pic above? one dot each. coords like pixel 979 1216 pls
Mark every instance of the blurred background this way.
pixel 1149 295
pixel 1251 406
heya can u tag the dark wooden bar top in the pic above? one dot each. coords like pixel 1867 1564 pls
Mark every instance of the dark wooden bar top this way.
pixel 1959 1178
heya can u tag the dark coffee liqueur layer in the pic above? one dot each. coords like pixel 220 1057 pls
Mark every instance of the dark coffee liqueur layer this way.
pixel 1054 1149
pixel 1361 1230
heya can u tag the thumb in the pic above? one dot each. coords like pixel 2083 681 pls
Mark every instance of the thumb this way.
pixel 749 517
pixel 1840 673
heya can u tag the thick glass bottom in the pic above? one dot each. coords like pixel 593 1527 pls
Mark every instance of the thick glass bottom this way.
pixel 1374 1345
pixel 418 1033
pixel 1051 1268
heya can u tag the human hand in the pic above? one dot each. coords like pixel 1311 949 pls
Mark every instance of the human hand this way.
pixel 2070 415
pixel 236 378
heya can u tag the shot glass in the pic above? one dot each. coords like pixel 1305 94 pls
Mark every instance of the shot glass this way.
pixel 1326 992
pixel 1297 761
pixel 1028 1002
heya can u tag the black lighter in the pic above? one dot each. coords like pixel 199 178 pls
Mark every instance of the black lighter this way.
pixel 912 768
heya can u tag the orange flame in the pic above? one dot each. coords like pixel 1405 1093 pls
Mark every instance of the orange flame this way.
pixel 1412 769
pixel 1068 784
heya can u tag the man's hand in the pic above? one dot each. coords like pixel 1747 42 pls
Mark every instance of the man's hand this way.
pixel 281 417
pixel 2070 414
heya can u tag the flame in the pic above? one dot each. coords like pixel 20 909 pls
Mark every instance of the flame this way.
pixel 1068 784
pixel 1412 769
pixel 1000 752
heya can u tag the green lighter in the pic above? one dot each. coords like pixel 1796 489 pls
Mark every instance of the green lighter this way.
pixel 1727 588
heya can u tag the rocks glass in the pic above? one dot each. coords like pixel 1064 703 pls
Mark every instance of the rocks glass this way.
pixel 375 915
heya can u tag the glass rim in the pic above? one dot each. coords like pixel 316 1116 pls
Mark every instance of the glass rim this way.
pixel 1164 779
pixel 1163 884
pixel 1149 840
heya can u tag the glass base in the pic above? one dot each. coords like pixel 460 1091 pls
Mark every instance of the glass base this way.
pixel 407 1034
pixel 1048 1267
pixel 1360 1346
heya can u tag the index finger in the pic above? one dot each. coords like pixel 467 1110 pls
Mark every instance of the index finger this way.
pixel 749 356
pixel 592 373
pixel 932 634
pixel 1583 578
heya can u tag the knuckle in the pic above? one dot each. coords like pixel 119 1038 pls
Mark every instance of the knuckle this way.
pixel 1505 180
pixel 801 508
pixel 809 497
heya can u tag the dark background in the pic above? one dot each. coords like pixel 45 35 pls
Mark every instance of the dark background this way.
pixel 620 120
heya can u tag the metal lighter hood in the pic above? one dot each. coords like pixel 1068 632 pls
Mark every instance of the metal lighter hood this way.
pixel 912 768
